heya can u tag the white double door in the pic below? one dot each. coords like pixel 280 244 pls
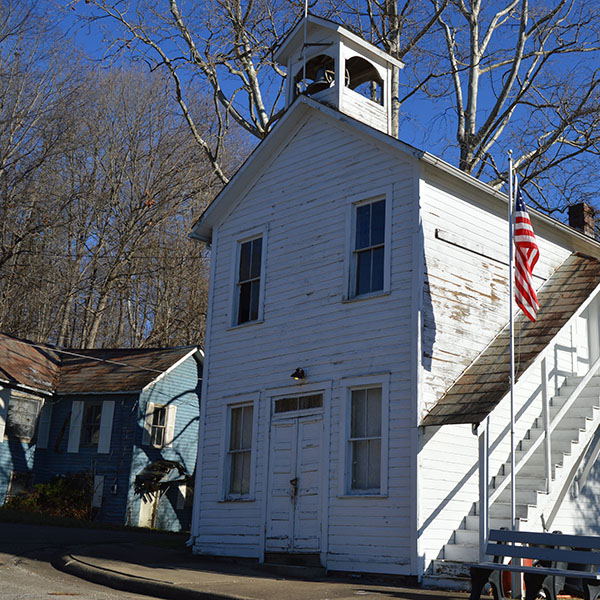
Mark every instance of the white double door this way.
pixel 294 504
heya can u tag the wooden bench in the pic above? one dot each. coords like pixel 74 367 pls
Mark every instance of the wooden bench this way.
pixel 566 563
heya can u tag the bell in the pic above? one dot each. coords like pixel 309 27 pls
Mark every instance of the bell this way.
pixel 321 82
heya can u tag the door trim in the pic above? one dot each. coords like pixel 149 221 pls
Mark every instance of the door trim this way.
pixel 324 387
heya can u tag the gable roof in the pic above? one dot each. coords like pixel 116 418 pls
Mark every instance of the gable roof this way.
pixel 67 371
pixel 116 370
pixel 295 116
pixel 486 381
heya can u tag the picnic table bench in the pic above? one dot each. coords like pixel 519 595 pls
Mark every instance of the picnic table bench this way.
pixel 560 563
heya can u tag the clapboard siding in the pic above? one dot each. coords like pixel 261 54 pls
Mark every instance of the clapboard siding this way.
pixel 465 306
pixel 179 388
pixel 302 199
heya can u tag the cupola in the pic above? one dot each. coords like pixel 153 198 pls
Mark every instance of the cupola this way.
pixel 336 67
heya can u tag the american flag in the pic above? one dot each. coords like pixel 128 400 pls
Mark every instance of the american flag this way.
pixel 526 256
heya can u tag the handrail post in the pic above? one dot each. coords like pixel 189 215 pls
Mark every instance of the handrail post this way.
pixel 546 417
pixel 484 479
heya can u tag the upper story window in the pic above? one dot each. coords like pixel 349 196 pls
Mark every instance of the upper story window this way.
pixel 369 247
pixel 249 281
pixel 159 425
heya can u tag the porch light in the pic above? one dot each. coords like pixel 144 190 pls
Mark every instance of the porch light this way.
pixel 298 374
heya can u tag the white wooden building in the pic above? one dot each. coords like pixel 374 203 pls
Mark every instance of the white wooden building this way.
pixel 377 274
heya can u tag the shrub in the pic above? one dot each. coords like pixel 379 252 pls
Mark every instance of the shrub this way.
pixel 63 496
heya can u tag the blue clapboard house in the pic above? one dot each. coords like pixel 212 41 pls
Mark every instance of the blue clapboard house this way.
pixel 126 417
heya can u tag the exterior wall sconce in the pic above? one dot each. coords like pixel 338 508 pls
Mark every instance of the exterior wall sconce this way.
pixel 298 374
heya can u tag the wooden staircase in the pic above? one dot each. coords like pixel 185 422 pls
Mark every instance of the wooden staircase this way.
pixel 571 437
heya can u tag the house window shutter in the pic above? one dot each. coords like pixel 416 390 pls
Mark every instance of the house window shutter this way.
pixel 4 396
pixel 98 490
pixel 75 426
pixel 170 429
pixel 106 420
pixel 44 425
pixel 148 423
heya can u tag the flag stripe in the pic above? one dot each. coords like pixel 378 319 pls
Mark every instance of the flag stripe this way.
pixel 526 257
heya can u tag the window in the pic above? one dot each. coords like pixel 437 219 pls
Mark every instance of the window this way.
pixel 22 417
pixel 365 439
pixel 249 281
pixel 90 425
pixel 369 247
pixel 298 403
pixel 159 426
pixel 240 450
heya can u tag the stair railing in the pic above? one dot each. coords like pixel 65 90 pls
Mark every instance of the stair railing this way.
pixel 548 429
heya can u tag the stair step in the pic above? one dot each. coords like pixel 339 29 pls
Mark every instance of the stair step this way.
pixel 466 536
pixel 461 552
pixel 472 522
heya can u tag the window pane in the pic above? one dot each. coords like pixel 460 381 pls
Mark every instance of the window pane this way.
pixel 358 419
pixel 374 469
pixel 377 222
pixel 363 272
pixel 245 257
pixel 256 256
pixel 235 478
pixel 235 438
pixel 377 270
pixel 91 424
pixel 314 401
pixel 363 225
pixel 373 428
pixel 245 474
pixel 254 294
pixel 286 405
pixel 244 306
pixel 158 416
pixel 360 465
pixel 247 427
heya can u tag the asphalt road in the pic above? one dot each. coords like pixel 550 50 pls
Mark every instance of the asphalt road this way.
pixel 26 572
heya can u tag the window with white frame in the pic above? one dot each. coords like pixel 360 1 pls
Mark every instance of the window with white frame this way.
pixel 159 425
pixel 365 440
pixel 239 454
pixel 369 252
pixel 249 281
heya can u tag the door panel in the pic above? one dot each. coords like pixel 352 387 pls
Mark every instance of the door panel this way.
pixel 294 515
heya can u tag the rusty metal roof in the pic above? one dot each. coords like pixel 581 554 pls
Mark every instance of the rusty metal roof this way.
pixel 71 371
pixel 34 366
pixel 486 381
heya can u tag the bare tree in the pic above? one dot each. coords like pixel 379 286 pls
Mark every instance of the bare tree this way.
pixel 524 78
pixel 504 76
pixel 226 45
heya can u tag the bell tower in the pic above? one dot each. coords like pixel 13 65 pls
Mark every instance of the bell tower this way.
pixel 338 68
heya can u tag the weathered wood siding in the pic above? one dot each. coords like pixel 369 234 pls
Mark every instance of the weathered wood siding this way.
pixel 302 199
pixel 114 466
pixel 15 455
pixel 465 304
pixel 179 388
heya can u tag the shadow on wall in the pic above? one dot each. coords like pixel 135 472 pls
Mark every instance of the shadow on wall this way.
pixel 428 325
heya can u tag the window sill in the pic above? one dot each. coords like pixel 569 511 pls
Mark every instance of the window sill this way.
pixel 348 300
pixel 368 495
pixel 247 324
pixel 230 500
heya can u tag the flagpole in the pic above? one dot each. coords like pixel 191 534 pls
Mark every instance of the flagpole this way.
pixel 512 342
